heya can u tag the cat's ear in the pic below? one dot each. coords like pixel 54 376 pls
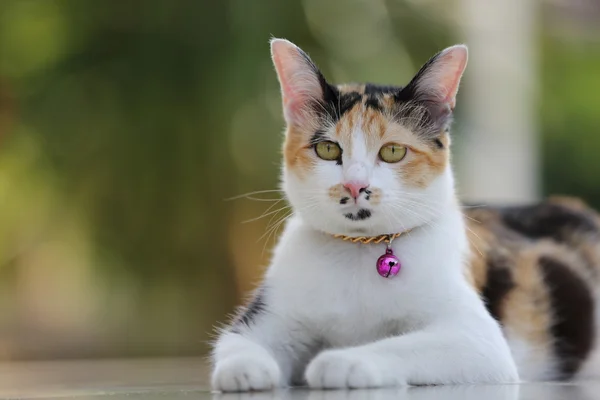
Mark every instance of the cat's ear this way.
pixel 301 81
pixel 436 83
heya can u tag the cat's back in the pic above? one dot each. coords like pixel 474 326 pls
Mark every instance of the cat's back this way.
pixel 537 267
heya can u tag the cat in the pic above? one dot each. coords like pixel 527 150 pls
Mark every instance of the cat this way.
pixel 475 299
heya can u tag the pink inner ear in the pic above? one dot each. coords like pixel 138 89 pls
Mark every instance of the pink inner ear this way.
pixel 286 89
pixel 291 97
pixel 452 65
pixel 299 82
pixel 293 110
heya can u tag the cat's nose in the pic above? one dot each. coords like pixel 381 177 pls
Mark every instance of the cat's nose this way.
pixel 355 188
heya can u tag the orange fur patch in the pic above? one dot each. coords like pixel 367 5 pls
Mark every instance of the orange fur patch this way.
pixel 352 87
pixel 336 192
pixel 476 268
pixel 422 163
pixel 375 196
pixel 527 307
pixel 296 153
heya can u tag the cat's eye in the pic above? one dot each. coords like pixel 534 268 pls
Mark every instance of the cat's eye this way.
pixel 328 150
pixel 392 153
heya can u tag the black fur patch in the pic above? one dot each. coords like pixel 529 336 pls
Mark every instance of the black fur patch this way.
pixel 345 103
pixel 361 215
pixel 373 102
pixel 499 283
pixel 330 93
pixel 256 306
pixel 548 220
pixel 373 89
pixel 335 104
pixel 317 137
pixel 573 313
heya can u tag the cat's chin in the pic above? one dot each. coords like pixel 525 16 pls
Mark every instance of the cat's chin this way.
pixel 357 231
pixel 362 214
pixel 350 227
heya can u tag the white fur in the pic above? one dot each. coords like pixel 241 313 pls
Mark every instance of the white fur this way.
pixel 535 362
pixel 330 320
pixel 425 326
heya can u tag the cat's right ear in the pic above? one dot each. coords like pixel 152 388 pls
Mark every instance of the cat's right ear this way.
pixel 301 82
pixel 436 83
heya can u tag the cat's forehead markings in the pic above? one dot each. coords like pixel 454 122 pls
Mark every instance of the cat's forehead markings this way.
pixel 346 127
pixel 375 126
pixel 352 87
pixel 360 130
pixel 373 103
pixel 343 103
pixel 388 101
pixel 377 97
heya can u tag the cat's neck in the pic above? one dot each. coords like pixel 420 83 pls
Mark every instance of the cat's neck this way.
pixel 449 222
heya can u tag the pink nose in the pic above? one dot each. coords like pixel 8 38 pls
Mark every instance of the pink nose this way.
pixel 355 188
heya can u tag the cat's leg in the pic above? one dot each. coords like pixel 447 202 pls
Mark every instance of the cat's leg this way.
pixel 241 364
pixel 452 352
pixel 256 353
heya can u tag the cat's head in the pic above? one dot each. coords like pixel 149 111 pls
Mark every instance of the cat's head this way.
pixel 367 159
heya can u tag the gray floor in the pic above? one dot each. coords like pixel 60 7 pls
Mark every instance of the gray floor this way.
pixel 186 379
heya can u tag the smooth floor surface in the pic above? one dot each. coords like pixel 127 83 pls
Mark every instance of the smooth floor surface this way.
pixel 187 379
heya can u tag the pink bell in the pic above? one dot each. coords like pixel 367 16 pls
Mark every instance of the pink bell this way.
pixel 388 265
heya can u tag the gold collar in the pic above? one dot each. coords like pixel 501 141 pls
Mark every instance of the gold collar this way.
pixel 371 239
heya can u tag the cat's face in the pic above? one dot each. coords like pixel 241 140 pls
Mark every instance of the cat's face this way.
pixel 367 159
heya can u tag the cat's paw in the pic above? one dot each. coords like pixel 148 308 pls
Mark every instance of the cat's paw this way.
pixel 246 373
pixel 348 368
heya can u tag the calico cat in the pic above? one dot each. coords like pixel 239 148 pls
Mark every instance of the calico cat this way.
pixel 379 279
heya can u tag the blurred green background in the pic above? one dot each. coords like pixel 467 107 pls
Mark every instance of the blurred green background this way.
pixel 125 124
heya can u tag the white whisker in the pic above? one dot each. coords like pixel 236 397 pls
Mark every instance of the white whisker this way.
pixel 249 194
pixel 266 213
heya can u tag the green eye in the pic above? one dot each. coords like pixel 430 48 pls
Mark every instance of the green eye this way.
pixel 328 150
pixel 392 153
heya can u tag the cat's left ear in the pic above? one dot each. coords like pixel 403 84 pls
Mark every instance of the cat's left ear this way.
pixel 302 83
pixel 437 81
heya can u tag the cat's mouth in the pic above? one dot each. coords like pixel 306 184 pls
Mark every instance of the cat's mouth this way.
pixel 360 215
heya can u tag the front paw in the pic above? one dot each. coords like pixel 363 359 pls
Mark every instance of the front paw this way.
pixel 246 373
pixel 336 369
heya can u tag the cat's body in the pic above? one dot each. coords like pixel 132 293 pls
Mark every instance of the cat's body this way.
pixel 311 301
pixel 538 270
pixel 365 160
